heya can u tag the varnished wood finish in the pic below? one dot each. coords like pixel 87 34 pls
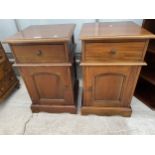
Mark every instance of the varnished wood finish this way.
pixel 113 64
pixel 54 108
pixel 115 51
pixel 49 85
pixel 108 111
pixel 8 80
pixel 41 64
pixel 145 90
pixel 46 65
pixel 112 56
pixel 105 86
pixel 43 34
pixel 114 30
pixel 40 53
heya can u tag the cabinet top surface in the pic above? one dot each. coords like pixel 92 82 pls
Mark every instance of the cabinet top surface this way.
pixel 114 30
pixel 43 33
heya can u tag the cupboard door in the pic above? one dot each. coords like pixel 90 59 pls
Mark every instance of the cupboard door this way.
pixel 49 85
pixel 109 86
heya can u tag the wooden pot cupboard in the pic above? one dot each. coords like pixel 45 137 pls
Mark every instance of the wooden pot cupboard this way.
pixel 112 56
pixel 8 80
pixel 145 89
pixel 44 55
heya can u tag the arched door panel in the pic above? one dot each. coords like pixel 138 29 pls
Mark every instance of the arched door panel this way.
pixel 106 85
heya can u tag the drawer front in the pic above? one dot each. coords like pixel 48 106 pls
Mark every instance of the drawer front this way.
pixel 39 53
pixel 7 82
pixel 5 68
pixel 2 88
pixel 2 56
pixel 10 79
pixel 1 70
pixel 115 51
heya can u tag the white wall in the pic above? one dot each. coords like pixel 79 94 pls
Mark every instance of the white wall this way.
pixel 138 21
pixel 8 27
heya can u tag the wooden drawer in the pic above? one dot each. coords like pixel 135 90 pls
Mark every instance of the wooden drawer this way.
pixel 2 56
pixel 5 68
pixel 2 87
pixel 6 82
pixel 1 70
pixel 40 53
pixel 114 51
pixel 10 78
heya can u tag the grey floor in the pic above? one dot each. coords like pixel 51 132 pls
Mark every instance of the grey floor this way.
pixel 17 118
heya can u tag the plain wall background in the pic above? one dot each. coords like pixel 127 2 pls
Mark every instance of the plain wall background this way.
pixel 10 26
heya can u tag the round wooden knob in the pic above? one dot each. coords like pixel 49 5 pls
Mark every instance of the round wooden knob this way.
pixel 113 51
pixel 39 52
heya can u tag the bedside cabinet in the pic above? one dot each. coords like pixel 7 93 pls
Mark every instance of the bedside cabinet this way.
pixel 112 56
pixel 45 56
pixel 8 80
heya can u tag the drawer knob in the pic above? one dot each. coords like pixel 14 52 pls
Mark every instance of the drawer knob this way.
pixel 113 52
pixel 39 52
